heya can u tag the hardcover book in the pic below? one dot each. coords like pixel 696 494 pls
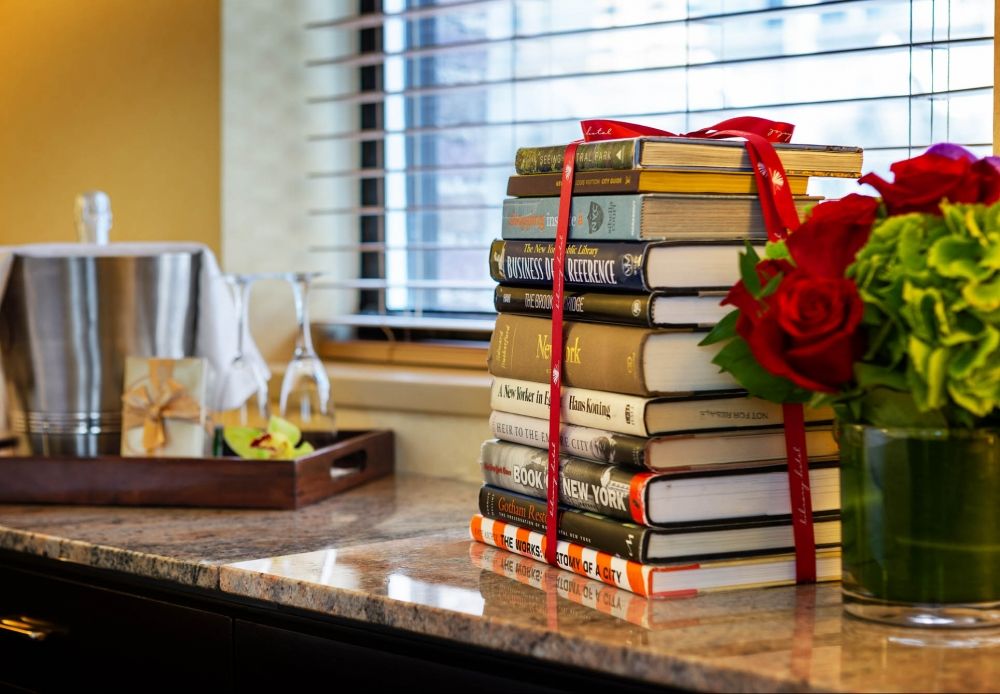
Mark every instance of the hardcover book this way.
pixel 675 579
pixel 620 266
pixel 682 309
pixel 601 356
pixel 691 154
pixel 647 181
pixel 708 493
pixel 640 416
pixel 672 451
pixel 651 545
pixel 641 217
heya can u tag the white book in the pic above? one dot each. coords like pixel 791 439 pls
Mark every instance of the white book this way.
pixel 642 416
pixel 661 452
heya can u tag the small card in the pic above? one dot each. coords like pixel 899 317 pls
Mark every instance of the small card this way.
pixel 163 408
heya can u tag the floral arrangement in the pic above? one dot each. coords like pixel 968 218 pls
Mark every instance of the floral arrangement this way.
pixel 887 309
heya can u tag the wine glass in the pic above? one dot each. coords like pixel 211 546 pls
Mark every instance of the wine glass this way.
pixel 254 410
pixel 305 389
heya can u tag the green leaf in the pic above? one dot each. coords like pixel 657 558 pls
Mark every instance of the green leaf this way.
pixel 985 296
pixel 954 218
pixel 991 255
pixel 937 371
pixel 871 376
pixel 974 355
pixel 777 250
pixel 976 402
pixel 911 251
pixel 972 223
pixel 919 312
pixel 957 257
pixel 771 287
pixel 737 359
pixel 748 270
pixel 884 407
pixel 723 330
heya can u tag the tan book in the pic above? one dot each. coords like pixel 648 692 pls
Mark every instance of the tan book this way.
pixel 599 356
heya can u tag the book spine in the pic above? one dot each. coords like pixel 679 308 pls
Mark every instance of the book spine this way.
pixel 615 266
pixel 598 307
pixel 585 183
pixel 609 154
pixel 612 491
pixel 600 566
pixel 595 356
pixel 583 442
pixel 614 537
pixel 590 408
pixel 592 218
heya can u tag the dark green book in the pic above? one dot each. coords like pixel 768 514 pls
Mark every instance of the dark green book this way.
pixel 690 154
pixel 687 309
pixel 650 545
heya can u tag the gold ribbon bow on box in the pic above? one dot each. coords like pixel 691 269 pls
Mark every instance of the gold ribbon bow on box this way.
pixel 150 405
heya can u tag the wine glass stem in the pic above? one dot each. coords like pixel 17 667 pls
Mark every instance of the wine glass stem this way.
pixel 303 342
pixel 240 296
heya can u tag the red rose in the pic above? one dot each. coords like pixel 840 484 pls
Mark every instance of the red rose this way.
pixel 921 183
pixel 827 242
pixel 742 299
pixel 807 331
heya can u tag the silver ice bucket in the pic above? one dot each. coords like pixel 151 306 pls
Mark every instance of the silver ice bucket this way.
pixel 66 325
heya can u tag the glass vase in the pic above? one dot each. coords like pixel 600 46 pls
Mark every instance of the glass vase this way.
pixel 921 525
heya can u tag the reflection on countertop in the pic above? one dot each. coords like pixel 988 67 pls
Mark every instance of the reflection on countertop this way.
pixel 395 553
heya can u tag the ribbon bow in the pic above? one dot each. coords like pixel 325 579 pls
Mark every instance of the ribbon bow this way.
pixel 165 398
pixel 777 207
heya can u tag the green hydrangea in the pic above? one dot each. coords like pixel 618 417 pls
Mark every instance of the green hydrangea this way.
pixel 931 287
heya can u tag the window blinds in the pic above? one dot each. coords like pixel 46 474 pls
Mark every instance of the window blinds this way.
pixel 417 109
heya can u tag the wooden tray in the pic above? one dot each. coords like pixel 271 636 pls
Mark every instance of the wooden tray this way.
pixel 338 463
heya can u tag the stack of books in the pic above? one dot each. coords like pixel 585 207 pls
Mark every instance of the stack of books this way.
pixel 673 480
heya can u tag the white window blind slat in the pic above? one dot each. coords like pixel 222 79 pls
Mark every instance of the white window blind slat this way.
pixel 443 94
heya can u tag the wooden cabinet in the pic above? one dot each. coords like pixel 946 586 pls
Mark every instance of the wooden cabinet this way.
pixel 111 632
pixel 278 659
pixel 99 639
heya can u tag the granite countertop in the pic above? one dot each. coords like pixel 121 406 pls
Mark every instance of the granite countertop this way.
pixel 396 553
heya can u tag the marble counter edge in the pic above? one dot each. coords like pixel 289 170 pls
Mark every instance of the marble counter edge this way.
pixel 627 661
pixel 188 573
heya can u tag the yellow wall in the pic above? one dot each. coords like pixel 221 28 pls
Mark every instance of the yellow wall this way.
pixel 118 95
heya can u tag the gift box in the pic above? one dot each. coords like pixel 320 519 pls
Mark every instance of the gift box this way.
pixel 163 413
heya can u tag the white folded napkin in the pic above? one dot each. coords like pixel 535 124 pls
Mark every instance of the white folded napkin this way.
pixel 217 320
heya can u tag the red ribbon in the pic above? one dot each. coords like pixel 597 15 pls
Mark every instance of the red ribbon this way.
pixel 800 494
pixel 780 218
pixel 777 207
pixel 555 362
